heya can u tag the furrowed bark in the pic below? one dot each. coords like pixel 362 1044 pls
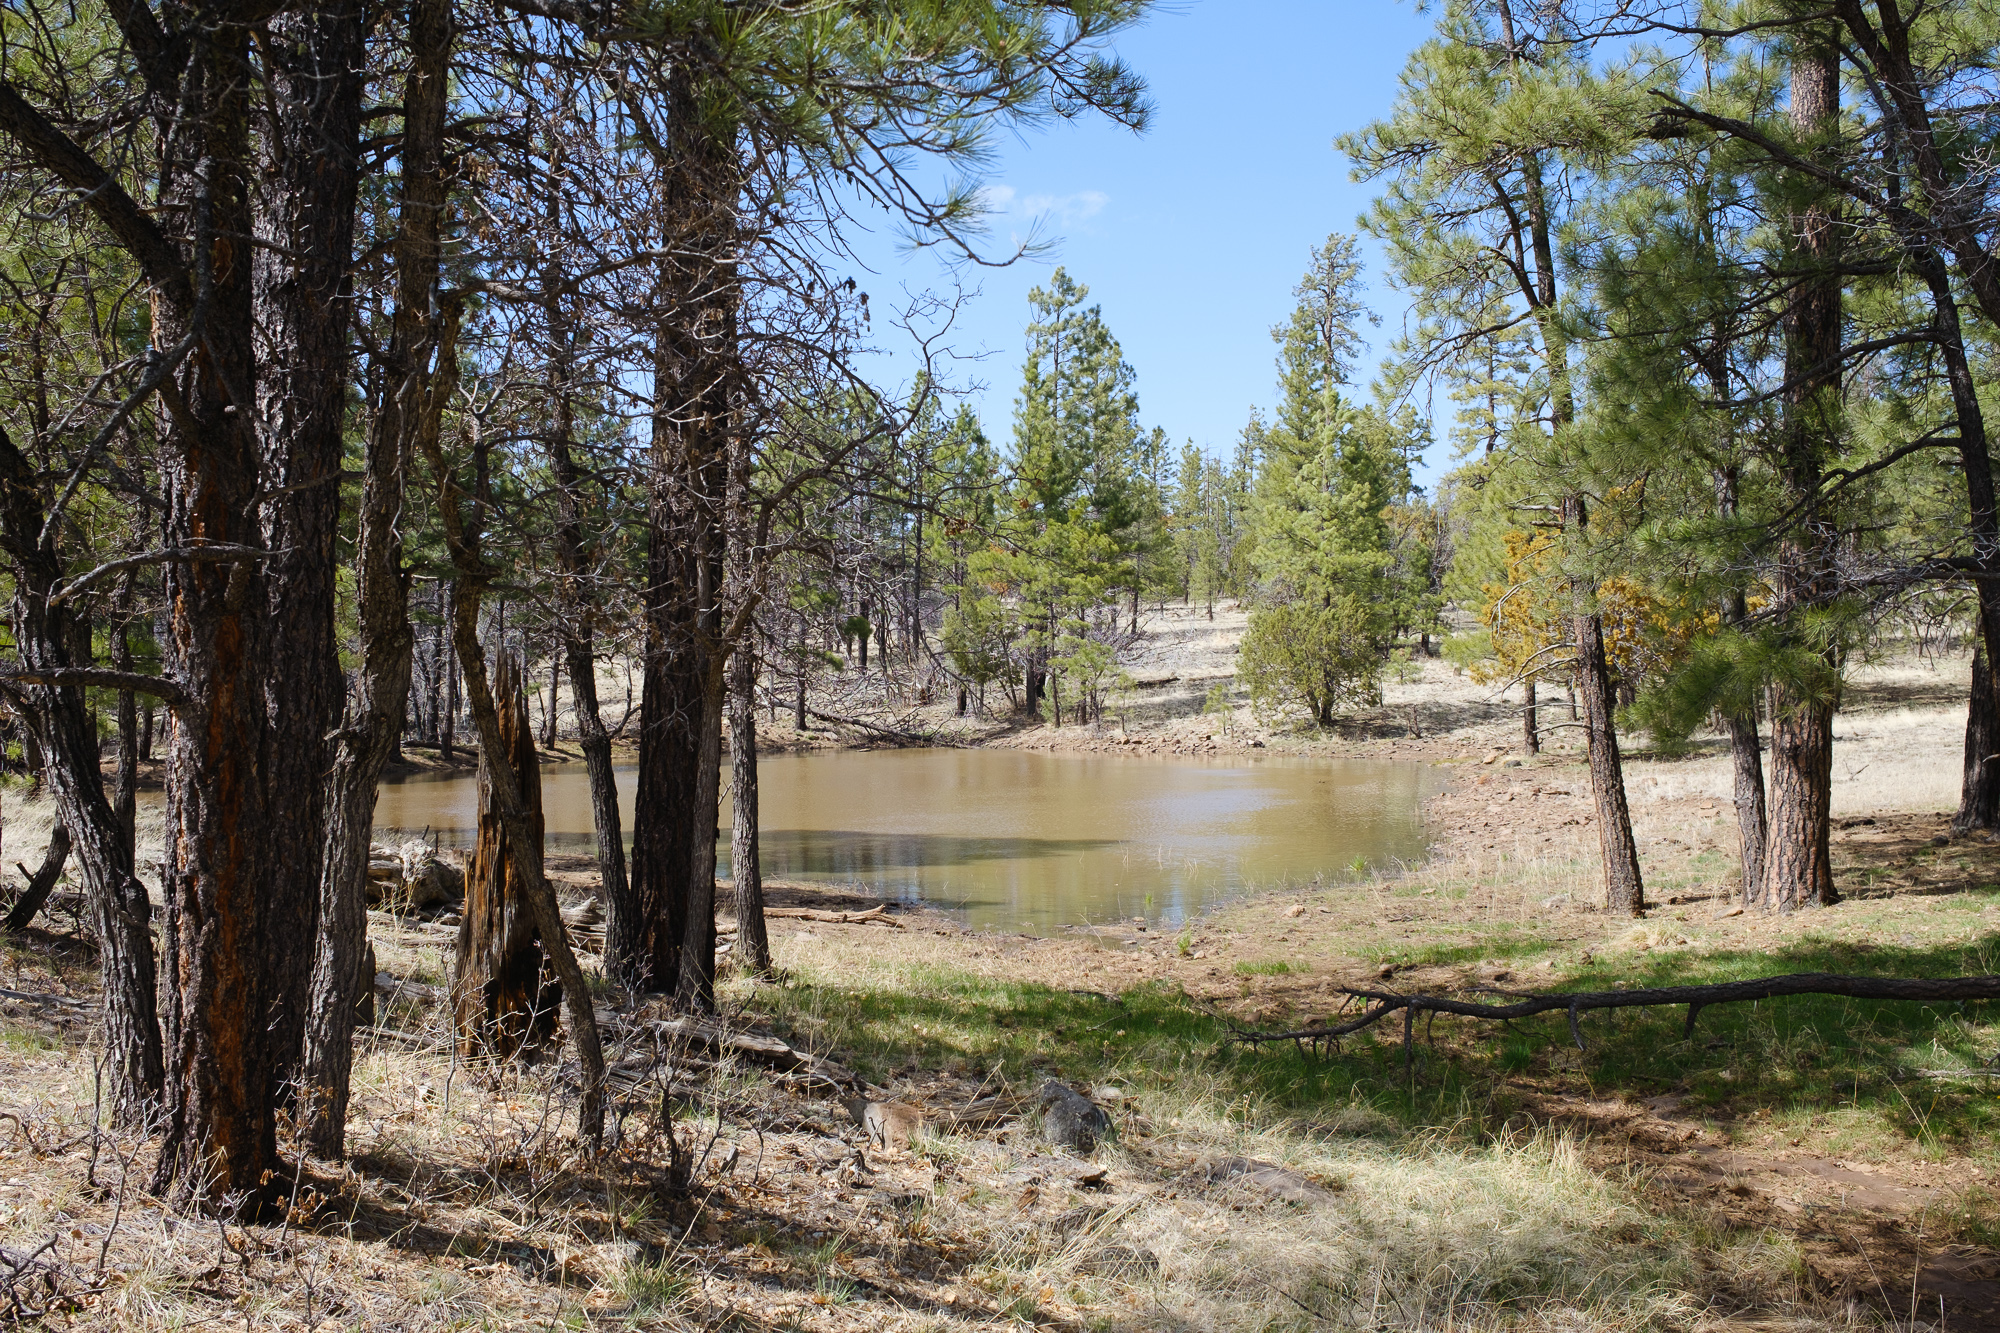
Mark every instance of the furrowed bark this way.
pixel 1747 764
pixel 1624 891
pixel 309 137
pixel 231 1030
pixel 753 942
pixel 56 721
pixel 1979 795
pixel 1798 865
pixel 420 370
pixel 664 939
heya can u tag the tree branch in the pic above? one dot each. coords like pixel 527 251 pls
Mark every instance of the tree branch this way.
pixel 118 211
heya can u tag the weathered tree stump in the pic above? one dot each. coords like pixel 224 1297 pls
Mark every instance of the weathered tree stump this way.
pixel 503 997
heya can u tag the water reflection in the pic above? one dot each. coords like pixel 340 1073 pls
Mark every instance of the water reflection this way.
pixel 1016 838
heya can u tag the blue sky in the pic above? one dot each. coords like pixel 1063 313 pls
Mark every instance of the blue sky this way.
pixel 1192 235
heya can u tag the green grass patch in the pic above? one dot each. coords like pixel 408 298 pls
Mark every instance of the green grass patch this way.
pixel 1843 1070
pixel 1270 967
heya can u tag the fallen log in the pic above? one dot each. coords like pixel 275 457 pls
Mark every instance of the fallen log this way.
pixel 878 914
pixel 766 1050
pixel 1576 1003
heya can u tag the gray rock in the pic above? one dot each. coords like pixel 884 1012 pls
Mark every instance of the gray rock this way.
pixel 429 882
pixel 1269 1177
pixel 1070 1119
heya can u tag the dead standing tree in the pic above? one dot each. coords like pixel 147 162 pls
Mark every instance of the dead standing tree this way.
pixel 503 1002
pixel 462 532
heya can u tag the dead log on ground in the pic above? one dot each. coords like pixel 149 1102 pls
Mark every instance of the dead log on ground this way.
pixel 878 914
pixel 1576 1003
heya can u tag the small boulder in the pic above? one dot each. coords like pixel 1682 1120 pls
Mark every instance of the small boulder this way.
pixel 428 881
pixel 1070 1119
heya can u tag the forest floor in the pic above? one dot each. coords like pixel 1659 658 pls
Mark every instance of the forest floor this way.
pixel 1798 1164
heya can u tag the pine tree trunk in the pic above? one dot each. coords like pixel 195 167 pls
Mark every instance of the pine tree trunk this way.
pixel 1798 863
pixel 1624 891
pixel 1798 870
pixel 643 931
pixel 420 372
pixel 753 944
pixel 1979 796
pixel 315 64
pixel 503 1002
pixel 696 373
pixel 695 991
pixel 1531 731
pixel 125 786
pixel 1747 759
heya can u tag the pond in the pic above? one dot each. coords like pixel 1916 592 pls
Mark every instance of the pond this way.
pixel 1018 839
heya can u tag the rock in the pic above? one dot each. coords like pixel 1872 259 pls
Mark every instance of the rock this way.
pixel 1296 909
pixel 1275 1180
pixel 428 881
pixel 1070 1119
pixel 1737 910
pixel 1511 763
pixel 1941 840
pixel 1124 1261
pixel 887 1124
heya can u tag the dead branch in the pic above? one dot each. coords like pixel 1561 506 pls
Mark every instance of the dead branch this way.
pixel 904 737
pixel 1696 998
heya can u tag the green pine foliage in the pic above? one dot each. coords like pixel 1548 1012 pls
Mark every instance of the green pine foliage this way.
pixel 1336 575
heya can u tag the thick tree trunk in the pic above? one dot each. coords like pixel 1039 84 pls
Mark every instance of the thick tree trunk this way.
pixel 753 943
pixel 503 1002
pixel 1798 871
pixel 236 908
pixel 315 62
pixel 1798 863
pixel 696 374
pixel 40 884
pixel 643 932
pixel 1624 891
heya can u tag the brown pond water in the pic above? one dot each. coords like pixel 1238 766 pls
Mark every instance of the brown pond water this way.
pixel 1020 839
